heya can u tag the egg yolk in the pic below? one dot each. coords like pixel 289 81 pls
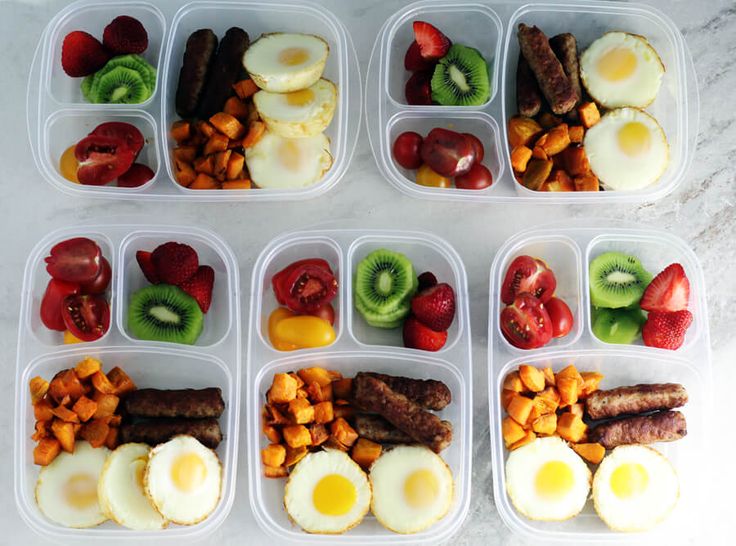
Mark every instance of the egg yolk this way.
pixel 290 155
pixel 629 480
pixel 334 495
pixel 68 165
pixel 554 480
pixel 617 64
pixel 188 472
pixel 300 98
pixel 634 138
pixel 421 488
pixel 292 56
pixel 81 491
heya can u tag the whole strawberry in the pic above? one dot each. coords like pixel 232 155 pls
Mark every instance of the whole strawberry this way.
pixel 199 286
pixel 435 306
pixel 175 263
pixel 666 330
pixel 82 54
pixel 125 35
pixel 419 336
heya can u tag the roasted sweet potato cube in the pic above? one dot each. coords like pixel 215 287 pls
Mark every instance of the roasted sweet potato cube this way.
pixel 519 408
pixel 187 154
pixel 274 416
pixel 591 380
pixel 319 434
pixel 342 388
pixel 95 432
pixel 551 393
pixel 531 377
pixel 245 88
pixel 85 408
pixel 529 437
pixel 114 420
pixel 577 408
pixel 235 166
pixel 576 133
pixel 332 443
pixel 549 376
pixel 365 452
pixel 522 131
pixel 588 114
pixel 586 182
pixel 506 396
pixel 216 143
pixel 205 129
pixel 101 383
pixel 315 375
pixel 235 107
pixel 42 410
pixel 111 440
pixel 545 424
pixel 87 366
pixel 539 153
pixel 559 180
pixel 64 432
pixel 537 171
pixel 181 130
pixel 275 471
pixel 297 435
pixel 548 120
pixel 593 453
pixel 272 433
pixel 283 388
pixel 184 173
pixel 533 414
pixel 240 184
pixel 41 429
pixel 205 164
pixel 545 405
pixel 204 182
pixel 323 412
pixel 256 130
pixel 557 140
pixel 46 451
pixel 301 411
pixel 106 404
pixel 520 156
pixel 121 381
pixel 38 387
pixel 220 166
pixel 294 455
pixel 576 161
pixel 302 393
pixel 513 382
pixel 273 455
pixel 319 393
pixel 299 381
pixel 65 383
pixel 341 431
pixel 571 427
pixel 571 371
pixel 512 431
pixel 228 125
pixel 568 389
pixel 65 414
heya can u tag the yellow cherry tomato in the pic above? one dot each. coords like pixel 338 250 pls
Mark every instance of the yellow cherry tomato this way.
pixel 427 177
pixel 68 165
pixel 279 314
pixel 304 331
pixel 70 338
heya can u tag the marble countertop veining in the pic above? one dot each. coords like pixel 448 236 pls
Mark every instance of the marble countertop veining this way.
pixel 701 211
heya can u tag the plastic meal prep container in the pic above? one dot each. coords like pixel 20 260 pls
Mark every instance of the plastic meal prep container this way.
pixel 491 28
pixel 214 361
pixel 568 249
pixel 58 115
pixel 359 347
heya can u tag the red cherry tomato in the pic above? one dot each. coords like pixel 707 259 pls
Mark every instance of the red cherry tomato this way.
pixel 447 152
pixel 477 146
pixel 527 274
pixel 427 177
pixel 278 281
pixel 102 159
pixel 560 315
pixel 525 323
pixel 56 292
pixel 100 283
pixel 309 287
pixel 136 176
pixel 325 312
pixel 74 260
pixel 126 132
pixel 86 317
pixel 407 148
pixel 477 178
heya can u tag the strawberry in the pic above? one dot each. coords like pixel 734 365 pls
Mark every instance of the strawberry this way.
pixel 669 291
pixel 418 88
pixel 435 306
pixel 426 280
pixel 419 336
pixel 666 330
pixel 146 264
pixel 199 286
pixel 432 43
pixel 82 54
pixel 137 175
pixel 175 262
pixel 413 60
pixel 124 35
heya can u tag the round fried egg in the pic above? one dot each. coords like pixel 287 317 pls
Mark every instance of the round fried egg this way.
pixel 284 163
pixel 635 488
pixel 327 492
pixel 302 113
pixel 546 480
pixel 183 480
pixel 121 490
pixel 66 490
pixel 282 62
pixel 627 149
pixel 412 489
pixel 621 69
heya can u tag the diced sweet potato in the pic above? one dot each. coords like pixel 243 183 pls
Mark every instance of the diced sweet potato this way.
pixel 539 153
pixel 46 451
pixel 559 180
pixel 283 388
pixel 531 377
pixel 106 404
pixel 273 455
pixel 551 393
pixel 241 184
pixel 522 131
pixel 294 455
pixel 341 431
pixel 272 433
pixel 42 410
pixel 111 440
pixel 557 140
pixel 187 154
pixel 301 411
pixel 95 432
pixel 87 366
pixel 85 408
pixel 315 375
pixel 323 412
pixel 297 435
pixel 319 434
pixel 235 107
pixel 101 383
pixel 576 133
pixel 577 408
pixel 203 182
pixel 588 114
pixel 571 371
pixel 537 171
pixel 533 414
pixel 67 400
pixel 593 453
pixel 221 161
pixel 274 416
pixel 506 396
pixel 529 437
pixel 520 156
pixel 275 471
pixel 121 381
pixel 205 164
pixel 365 452
pixel 332 443
pixel 591 380
pixel 256 130
pixel 65 383
pixel 38 387
pixel 545 424
pixel 586 182
pixel 570 427
pixel 245 88
pixel 568 389
pixel 299 381
pixel 216 143
pixel 114 420
pixel 519 408
pixel 344 412
pixel 205 129
pixel 65 414
pixel 180 131
pixel 513 382
pixel 228 125
pixel 302 393
pixel 545 405
pixel 549 376
pixel 64 432
pixel 235 166
pixel 576 161
pixel 548 120
pixel 41 429
pixel 184 173
pixel 512 431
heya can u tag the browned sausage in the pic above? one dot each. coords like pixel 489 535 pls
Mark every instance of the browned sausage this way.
pixel 224 73
pixel 664 426
pixel 191 403
pixel 377 429
pixel 198 57
pixel 565 47
pixel 157 431
pixel 428 393
pixel 635 399
pixel 528 96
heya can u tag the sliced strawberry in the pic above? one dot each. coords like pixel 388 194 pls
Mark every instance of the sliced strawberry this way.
pixel 82 54
pixel 432 43
pixel 419 336
pixel 426 280
pixel 175 263
pixel 669 291
pixel 413 60
pixel 125 34
pixel 199 286
pixel 146 264
pixel 136 176
pixel 435 306
pixel 666 330
pixel 418 89
pixel 102 159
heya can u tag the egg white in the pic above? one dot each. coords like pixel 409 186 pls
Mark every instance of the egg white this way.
pixel 302 113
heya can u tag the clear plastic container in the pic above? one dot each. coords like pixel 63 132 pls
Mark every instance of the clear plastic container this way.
pixel 568 249
pixel 58 116
pixel 359 347
pixel 486 25
pixel 215 361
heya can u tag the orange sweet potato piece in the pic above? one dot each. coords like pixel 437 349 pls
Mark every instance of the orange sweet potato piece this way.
pixel 205 129
pixel 520 156
pixel 365 452
pixel 111 440
pixel 272 433
pixel 576 161
pixel 216 143
pixel 184 173
pixel 228 125
pixel 570 427
pixel 551 393
pixel 319 394
pixel 203 182
pixel 241 184
pixel 522 131
pixel 591 380
pixel 205 164
pixel 64 432
pixel 529 437
pixel 121 381
pixel 187 154
pixel 235 166
pixel 548 120
pixel 294 455
pixel 106 404
pixel 283 388
pixel 86 367
pixel 588 114
pixel 571 371
pixel 46 451
pixel 297 436
pixel 220 166
pixel 586 182
pixel 41 430
pixel 274 416
pixel 557 140
pixel 577 408
pixel 512 431
pixel 42 410
pixel 559 180
pixel 245 88
pixel 256 130
pixel 181 130
pixel 593 453
pixel 273 455
pixel 101 383
pixel 235 107
pixel 323 412
pixel 65 414
pixel 531 377
pixel 519 408
pixel 539 153
pixel 537 171
pixel 299 381
pixel 568 389
pixel 506 396
pixel 95 432
pixel 301 411
pixel 302 393
pixel 319 434
pixel 275 471
pixel 114 420
pixel 549 376
pixel 341 431
pixel 576 133
pixel 545 405
pixel 65 383
pixel 315 375
pixel 38 387
pixel 513 382
pixel 85 408
pixel 545 424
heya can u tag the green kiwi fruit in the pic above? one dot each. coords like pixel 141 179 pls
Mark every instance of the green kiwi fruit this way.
pixel 133 62
pixel 621 326
pixel 162 312
pixel 384 282
pixel 120 86
pixel 87 88
pixel 461 78
pixel 393 319
pixel 617 280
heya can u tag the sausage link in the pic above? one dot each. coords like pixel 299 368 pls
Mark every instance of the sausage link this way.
pixel 198 56
pixel 528 96
pixel 157 431
pixel 191 403
pixel 224 73
pixel 377 429
pixel 635 399
pixel 665 426
pixel 430 394
pixel 565 47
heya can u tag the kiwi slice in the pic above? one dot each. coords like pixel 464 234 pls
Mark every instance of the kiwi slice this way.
pixel 162 312
pixel 617 280
pixel 133 62
pixel 392 319
pixel 120 86
pixel 87 88
pixel 621 326
pixel 384 281
pixel 461 78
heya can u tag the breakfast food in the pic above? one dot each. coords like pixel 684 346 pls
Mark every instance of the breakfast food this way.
pixel 636 399
pixel 155 431
pixel 223 73
pixel 199 55
pixel 617 280
pixel 190 403
pixel 663 426
pixel 429 394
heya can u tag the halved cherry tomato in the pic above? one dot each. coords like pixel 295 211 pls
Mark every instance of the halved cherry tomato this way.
pixel 477 146
pixel 309 287
pixel 427 177
pixel 560 315
pixel 447 152
pixel 525 323
pixel 477 178
pixel 407 148
pixel 126 132
pixel 53 298
pixel 278 281
pixel 75 260
pixel 86 317
pixel 527 274
pixel 325 312
pixel 102 159
pixel 99 284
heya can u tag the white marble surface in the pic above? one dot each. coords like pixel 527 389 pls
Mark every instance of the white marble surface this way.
pixel 701 211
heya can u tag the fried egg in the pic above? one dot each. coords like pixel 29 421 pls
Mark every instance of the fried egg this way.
pixel 327 492
pixel 283 163
pixel 546 480
pixel 282 62
pixel 627 149
pixel 302 113
pixel 621 69
pixel 412 489
pixel 121 492
pixel 183 480
pixel 66 490
pixel 635 488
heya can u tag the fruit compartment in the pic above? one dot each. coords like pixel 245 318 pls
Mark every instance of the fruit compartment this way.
pixel 266 494
pixel 147 367
pixel 66 127
pixel 686 455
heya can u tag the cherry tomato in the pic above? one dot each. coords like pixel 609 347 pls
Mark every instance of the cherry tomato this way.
pixel 100 283
pixel 68 165
pixel 407 148
pixel 525 323
pixel 427 177
pixel 560 315
pixel 75 260
pixel 309 287
pixel 325 312
pixel 102 159
pixel 304 331
pixel 56 292
pixel 276 316
pixel 86 317
pixel 447 152
pixel 477 146
pixel 136 176
pixel 278 281
pixel 126 132
pixel 477 178
pixel 527 274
